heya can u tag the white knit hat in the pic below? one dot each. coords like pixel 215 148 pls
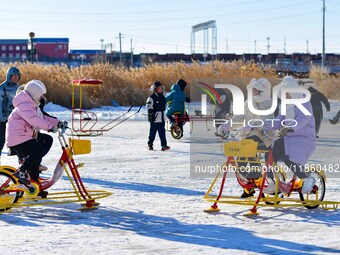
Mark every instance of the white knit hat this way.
pixel 35 89
pixel 262 85
pixel 290 82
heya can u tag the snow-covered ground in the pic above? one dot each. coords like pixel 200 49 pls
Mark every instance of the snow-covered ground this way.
pixel 156 208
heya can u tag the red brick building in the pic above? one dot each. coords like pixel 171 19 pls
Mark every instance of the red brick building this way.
pixel 13 49
pixel 47 49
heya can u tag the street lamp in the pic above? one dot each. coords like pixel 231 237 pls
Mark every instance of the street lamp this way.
pixel 31 35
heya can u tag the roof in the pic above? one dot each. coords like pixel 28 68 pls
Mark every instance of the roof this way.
pixel 87 52
pixel 13 41
pixel 51 40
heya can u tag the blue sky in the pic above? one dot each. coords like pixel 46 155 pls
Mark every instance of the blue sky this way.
pixel 165 26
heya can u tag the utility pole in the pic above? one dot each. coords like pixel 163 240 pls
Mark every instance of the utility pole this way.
pixel 255 46
pixel 31 35
pixel 268 45
pixel 102 44
pixel 102 55
pixel 323 58
pixel 307 42
pixel 284 45
pixel 131 52
pixel 120 48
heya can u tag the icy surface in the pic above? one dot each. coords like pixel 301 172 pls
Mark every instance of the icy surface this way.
pixel 156 208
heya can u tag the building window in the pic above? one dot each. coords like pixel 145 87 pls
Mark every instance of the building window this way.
pixel 3 47
pixel 17 55
pixel 65 47
pixel 60 47
pixel 17 48
pixel 3 55
pixel 23 55
pixel 10 47
pixel 23 47
pixel 10 55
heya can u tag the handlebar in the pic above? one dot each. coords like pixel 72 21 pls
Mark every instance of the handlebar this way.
pixel 284 131
pixel 61 130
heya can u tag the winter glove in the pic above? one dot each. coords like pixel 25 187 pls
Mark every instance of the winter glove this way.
pixel 63 124
pixel 284 131
pixel 43 101
pixel 53 129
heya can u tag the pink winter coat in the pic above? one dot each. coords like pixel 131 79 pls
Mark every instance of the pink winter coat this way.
pixel 23 118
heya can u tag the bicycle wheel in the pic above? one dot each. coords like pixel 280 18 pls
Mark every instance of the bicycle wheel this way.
pixel 318 192
pixel 6 199
pixel 177 134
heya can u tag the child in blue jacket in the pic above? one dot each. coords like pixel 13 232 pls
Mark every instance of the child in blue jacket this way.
pixel 177 99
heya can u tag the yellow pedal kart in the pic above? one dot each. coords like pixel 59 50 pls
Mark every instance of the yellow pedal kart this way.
pixel 14 194
pixel 246 152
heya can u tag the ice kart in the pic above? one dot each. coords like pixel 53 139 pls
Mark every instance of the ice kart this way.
pixel 14 194
pixel 286 191
pixel 85 122
pixel 176 128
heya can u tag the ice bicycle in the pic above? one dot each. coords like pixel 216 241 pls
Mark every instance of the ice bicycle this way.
pixel 246 151
pixel 176 129
pixel 14 194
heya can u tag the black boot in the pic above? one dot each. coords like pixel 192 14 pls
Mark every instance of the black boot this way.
pixel 43 194
pixel 248 193
pixel 165 148
pixel 335 119
pixel 22 177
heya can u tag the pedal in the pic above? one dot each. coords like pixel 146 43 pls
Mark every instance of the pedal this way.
pixel 258 182
pixel 298 185
pixel 32 190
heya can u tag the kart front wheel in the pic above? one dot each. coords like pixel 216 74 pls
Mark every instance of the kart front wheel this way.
pixel 7 198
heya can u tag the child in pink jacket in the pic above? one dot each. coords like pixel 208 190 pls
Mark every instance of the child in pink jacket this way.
pixel 23 125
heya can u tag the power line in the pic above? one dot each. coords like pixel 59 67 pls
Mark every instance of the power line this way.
pixel 141 12
pixel 75 21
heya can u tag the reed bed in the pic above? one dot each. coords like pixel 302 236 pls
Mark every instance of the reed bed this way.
pixel 328 84
pixel 130 86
